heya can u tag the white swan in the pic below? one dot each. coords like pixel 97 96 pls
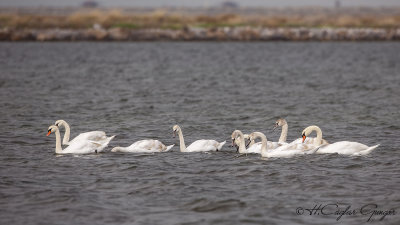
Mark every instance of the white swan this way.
pixel 77 147
pixel 96 136
pixel 144 146
pixel 284 151
pixel 341 147
pixel 247 142
pixel 238 136
pixel 238 139
pixel 197 146
pixel 282 123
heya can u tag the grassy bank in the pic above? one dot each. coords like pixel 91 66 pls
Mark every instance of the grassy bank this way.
pixel 176 19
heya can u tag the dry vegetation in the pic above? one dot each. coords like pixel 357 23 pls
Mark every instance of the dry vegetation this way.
pixel 165 19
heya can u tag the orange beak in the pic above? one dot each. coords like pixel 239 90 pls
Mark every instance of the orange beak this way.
pixel 48 133
pixel 304 138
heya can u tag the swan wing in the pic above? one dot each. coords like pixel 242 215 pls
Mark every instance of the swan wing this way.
pixel 98 136
pixel 344 148
pixel 82 147
pixel 203 146
pixel 255 148
pixel 147 146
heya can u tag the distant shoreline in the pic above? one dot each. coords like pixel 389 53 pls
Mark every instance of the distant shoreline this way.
pixel 203 34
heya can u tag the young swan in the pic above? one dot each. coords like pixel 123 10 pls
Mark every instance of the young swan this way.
pixel 144 146
pixel 78 147
pixel 247 142
pixel 197 146
pixel 97 136
pixel 282 123
pixel 238 137
pixel 341 147
pixel 280 152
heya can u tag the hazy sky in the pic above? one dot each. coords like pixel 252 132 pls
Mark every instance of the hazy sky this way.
pixel 191 3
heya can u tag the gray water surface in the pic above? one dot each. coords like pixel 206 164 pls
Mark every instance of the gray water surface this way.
pixel 140 90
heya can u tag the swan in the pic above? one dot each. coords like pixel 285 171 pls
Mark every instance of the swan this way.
pixel 238 139
pixel 246 141
pixel 341 147
pixel 284 151
pixel 238 136
pixel 144 146
pixel 77 147
pixel 282 123
pixel 97 136
pixel 197 146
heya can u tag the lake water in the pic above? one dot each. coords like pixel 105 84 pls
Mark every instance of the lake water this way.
pixel 140 90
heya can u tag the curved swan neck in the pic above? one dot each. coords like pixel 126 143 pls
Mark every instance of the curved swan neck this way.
pixel 182 145
pixel 263 142
pixel 58 142
pixel 242 146
pixel 284 132
pixel 67 132
pixel 319 133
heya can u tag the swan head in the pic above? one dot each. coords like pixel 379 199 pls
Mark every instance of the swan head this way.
pixel 236 141
pixel 51 129
pixel 59 122
pixel 253 136
pixel 307 131
pixel 176 129
pixel 279 122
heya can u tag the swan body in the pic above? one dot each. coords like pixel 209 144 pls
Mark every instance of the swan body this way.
pixel 77 147
pixel 341 147
pixel 346 148
pixel 256 148
pixel 96 136
pixel 199 145
pixel 144 146
pixel 284 151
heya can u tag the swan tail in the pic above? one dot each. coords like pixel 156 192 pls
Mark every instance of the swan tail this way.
pixel 110 138
pixel 169 148
pixel 116 149
pixel 220 145
pixel 367 151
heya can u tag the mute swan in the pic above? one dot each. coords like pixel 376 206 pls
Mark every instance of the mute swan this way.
pixel 77 147
pixel 97 136
pixel 144 146
pixel 282 123
pixel 284 151
pixel 238 136
pixel 197 146
pixel 247 142
pixel 341 147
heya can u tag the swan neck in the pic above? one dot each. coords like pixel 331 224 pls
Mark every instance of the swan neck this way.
pixel 319 135
pixel 58 142
pixel 182 145
pixel 67 133
pixel 242 146
pixel 263 143
pixel 284 132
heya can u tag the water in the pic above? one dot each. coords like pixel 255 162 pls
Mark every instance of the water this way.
pixel 140 90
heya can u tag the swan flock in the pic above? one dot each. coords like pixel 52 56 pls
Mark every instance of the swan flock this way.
pixel 96 141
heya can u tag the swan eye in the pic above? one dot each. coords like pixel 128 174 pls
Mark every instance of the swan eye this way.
pixel 48 130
